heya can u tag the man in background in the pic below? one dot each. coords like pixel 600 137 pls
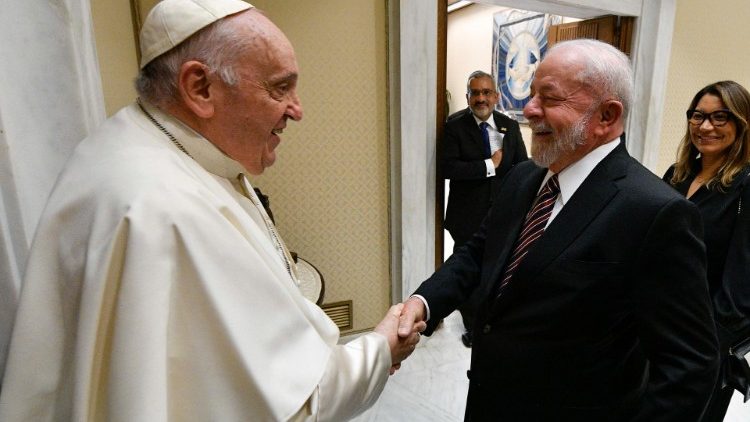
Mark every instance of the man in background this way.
pixel 480 145
pixel 595 304
pixel 157 287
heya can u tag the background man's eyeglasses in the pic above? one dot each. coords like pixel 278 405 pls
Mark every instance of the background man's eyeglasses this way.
pixel 478 92
pixel 717 118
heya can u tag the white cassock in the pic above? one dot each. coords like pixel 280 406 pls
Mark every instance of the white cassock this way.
pixel 154 292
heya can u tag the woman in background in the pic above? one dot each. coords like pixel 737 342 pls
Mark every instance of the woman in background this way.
pixel 713 163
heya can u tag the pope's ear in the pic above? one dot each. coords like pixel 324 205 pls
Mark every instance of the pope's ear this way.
pixel 193 83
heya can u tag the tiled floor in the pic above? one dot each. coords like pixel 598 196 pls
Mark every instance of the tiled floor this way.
pixel 431 385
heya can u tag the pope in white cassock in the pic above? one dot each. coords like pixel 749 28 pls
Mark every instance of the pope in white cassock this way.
pixel 157 288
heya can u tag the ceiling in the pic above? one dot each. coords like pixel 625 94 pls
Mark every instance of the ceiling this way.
pixel 583 10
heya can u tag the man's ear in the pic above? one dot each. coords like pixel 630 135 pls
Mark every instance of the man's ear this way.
pixel 610 114
pixel 193 83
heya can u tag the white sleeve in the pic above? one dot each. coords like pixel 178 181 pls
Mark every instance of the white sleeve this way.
pixel 353 380
pixel 490 167
pixel 426 306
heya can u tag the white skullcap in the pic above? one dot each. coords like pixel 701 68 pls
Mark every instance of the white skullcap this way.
pixel 171 22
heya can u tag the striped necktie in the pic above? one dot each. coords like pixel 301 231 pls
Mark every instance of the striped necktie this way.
pixel 533 227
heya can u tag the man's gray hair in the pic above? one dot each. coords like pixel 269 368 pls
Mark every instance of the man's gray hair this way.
pixel 474 75
pixel 217 46
pixel 606 70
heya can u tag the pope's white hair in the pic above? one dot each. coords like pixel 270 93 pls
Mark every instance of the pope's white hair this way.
pixel 217 46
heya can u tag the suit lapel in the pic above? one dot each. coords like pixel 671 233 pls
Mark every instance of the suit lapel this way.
pixel 596 191
pixel 499 123
pixel 472 128
pixel 508 142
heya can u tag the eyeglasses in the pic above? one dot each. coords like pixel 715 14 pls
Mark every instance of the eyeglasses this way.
pixel 717 118
pixel 478 92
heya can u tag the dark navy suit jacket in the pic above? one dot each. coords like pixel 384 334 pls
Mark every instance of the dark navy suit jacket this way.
pixel 606 319
pixel 471 190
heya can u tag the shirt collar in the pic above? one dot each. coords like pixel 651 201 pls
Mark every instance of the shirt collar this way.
pixel 206 154
pixel 490 120
pixel 571 177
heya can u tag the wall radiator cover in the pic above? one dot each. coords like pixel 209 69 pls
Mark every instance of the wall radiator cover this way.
pixel 340 313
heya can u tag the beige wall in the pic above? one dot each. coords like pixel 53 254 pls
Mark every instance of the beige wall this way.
pixel 709 44
pixel 115 46
pixel 143 7
pixel 329 187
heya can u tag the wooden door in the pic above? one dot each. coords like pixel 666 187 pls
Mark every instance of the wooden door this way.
pixel 614 30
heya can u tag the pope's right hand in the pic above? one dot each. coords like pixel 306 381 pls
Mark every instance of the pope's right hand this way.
pixel 401 346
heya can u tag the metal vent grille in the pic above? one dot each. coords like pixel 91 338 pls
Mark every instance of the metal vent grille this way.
pixel 340 313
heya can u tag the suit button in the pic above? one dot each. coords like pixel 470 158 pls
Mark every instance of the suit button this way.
pixel 486 329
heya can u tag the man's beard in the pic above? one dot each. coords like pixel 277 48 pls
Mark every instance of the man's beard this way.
pixel 546 153
pixel 483 114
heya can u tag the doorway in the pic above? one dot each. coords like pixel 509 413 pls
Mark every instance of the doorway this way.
pixel 474 42
pixel 414 32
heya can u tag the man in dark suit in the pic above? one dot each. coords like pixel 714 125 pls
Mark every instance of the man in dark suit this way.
pixel 596 309
pixel 480 145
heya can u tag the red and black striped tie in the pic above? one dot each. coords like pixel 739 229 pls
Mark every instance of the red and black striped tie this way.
pixel 533 227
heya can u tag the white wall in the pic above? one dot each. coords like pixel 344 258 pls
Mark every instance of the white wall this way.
pixel 470 35
pixel 469 48
pixel 415 139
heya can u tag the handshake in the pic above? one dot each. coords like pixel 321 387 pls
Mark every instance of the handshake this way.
pixel 402 327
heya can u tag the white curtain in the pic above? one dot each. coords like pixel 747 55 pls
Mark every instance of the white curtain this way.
pixel 50 98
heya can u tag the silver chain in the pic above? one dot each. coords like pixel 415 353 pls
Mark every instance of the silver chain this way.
pixel 163 129
pixel 269 224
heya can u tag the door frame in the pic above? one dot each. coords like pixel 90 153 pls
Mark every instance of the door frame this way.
pixel 413 70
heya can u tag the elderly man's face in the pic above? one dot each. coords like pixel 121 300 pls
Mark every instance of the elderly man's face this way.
pixel 482 97
pixel 252 114
pixel 559 112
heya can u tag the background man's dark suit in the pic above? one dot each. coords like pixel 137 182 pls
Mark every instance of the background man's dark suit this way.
pixel 470 194
pixel 471 191
pixel 607 316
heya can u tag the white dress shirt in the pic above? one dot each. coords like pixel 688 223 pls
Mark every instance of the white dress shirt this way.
pixel 496 141
pixel 570 179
